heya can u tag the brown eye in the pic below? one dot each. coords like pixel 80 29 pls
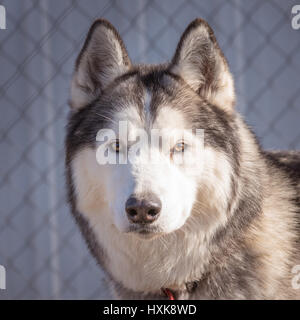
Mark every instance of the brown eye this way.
pixel 115 146
pixel 179 147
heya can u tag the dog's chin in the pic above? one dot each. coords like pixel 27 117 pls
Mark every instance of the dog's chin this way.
pixel 145 232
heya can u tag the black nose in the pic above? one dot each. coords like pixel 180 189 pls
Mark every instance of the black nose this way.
pixel 143 210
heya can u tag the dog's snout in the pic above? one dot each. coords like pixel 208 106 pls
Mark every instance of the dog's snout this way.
pixel 143 210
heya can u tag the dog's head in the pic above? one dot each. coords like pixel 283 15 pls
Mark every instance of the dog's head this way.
pixel 149 145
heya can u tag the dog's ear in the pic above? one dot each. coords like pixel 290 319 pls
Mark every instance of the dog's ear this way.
pixel 201 63
pixel 102 59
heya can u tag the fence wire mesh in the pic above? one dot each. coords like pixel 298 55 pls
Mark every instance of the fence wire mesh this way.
pixel 40 245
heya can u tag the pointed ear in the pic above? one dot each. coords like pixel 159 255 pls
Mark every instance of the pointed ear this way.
pixel 201 63
pixel 102 59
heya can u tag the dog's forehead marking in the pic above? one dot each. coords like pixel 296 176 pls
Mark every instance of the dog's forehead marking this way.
pixel 147 109
pixel 169 117
pixel 131 116
pixel 148 98
pixel 153 113
pixel 168 120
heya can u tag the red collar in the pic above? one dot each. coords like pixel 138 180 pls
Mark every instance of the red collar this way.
pixel 168 293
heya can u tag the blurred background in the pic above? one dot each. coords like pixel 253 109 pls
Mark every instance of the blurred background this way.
pixel 40 245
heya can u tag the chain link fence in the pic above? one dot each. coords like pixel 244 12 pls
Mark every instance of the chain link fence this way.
pixel 40 245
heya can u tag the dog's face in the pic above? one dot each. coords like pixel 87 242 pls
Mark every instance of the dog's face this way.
pixel 149 144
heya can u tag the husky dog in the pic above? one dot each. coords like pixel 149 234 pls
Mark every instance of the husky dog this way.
pixel 226 226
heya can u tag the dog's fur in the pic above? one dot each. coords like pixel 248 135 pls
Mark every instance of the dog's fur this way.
pixel 229 227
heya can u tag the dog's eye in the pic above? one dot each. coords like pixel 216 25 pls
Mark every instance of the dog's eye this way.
pixel 179 147
pixel 115 146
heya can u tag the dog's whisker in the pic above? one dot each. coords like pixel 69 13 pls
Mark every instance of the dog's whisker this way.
pixel 107 118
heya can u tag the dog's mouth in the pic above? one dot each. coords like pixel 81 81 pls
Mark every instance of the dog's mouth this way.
pixel 145 231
